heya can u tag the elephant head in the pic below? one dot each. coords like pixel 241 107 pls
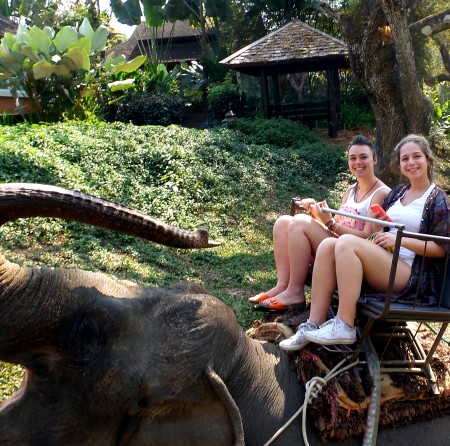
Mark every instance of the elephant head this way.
pixel 109 363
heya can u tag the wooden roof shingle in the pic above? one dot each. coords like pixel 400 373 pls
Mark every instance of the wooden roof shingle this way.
pixel 295 47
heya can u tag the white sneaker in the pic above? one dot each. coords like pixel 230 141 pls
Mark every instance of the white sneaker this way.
pixel 333 331
pixel 298 341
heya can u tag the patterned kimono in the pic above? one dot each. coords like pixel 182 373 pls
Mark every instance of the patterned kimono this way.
pixel 435 221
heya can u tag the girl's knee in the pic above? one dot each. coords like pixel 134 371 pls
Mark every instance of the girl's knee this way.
pixel 299 223
pixel 327 246
pixel 347 243
pixel 282 223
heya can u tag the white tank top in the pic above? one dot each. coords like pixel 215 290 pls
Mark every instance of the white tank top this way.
pixel 410 216
pixel 352 207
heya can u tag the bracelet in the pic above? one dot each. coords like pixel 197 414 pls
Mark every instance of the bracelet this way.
pixel 332 225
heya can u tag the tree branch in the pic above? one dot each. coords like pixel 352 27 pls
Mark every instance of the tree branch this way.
pixel 326 9
pixel 445 54
pixel 429 26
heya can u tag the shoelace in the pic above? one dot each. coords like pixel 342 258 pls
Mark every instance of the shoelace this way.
pixel 332 322
pixel 302 330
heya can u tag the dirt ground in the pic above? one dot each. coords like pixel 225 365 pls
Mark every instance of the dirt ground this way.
pixel 344 137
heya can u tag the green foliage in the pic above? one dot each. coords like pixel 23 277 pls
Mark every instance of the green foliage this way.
pixel 149 109
pixel 223 97
pixel 354 115
pixel 235 181
pixel 441 104
pixel 279 132
pixel 61 73
pixel 156 78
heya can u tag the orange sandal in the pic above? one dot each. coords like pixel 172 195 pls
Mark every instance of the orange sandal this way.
pixel 272 304
pixel 259 298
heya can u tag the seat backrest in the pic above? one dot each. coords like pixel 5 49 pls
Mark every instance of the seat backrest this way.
pixel 445 302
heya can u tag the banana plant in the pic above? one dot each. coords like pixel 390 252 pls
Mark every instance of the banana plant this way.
pixel 59 72
pixel 156 12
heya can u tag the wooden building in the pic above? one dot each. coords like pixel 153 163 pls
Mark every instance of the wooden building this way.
pixel 295 48
pixel 175 42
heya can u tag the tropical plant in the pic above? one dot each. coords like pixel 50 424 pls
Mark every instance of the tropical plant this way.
pixel 200 13
pixel 61 73
pixel 150 108
pixel 223 97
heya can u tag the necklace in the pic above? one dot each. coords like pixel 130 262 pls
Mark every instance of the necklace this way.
pixel 362 198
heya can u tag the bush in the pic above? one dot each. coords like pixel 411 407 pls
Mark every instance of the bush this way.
pixel 149 109
pixel 354 115
pixel 222 98
pixel 279 131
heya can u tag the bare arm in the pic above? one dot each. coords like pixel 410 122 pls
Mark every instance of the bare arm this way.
pixel 368 227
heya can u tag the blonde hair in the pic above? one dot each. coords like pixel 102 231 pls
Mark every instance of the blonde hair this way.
pixel 424 145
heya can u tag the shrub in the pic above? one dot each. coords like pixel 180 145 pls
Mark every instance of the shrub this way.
pixel 354 115
pixel 149 109
pixel 280 132
pixel 222 98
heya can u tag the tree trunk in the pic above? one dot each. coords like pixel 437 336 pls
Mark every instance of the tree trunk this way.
pixel 382 59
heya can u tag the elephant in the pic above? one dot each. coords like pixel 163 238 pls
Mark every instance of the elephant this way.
pixel 111 363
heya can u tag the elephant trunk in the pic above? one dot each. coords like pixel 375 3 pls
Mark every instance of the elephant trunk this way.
pixel 22 200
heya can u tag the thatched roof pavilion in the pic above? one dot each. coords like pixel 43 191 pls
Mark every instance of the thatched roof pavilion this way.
pixel 295 48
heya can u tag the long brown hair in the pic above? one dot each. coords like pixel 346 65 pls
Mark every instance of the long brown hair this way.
pixel 424 145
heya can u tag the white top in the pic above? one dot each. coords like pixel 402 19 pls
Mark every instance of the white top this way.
pixel 410 216
pixel 352 207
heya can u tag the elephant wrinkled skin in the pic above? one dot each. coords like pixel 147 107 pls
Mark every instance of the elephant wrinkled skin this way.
pixel 109 363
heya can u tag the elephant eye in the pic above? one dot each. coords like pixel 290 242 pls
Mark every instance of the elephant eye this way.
pixel 88 342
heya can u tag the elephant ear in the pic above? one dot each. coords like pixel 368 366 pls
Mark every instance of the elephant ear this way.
pixel 205 414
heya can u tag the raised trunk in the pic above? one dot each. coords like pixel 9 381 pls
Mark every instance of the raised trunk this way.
pixel 23 200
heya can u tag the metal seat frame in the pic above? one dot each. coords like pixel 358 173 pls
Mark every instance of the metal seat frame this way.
pixel 390 319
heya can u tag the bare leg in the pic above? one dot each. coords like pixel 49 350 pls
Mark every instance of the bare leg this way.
pixel 281 254
pixel 294 249
pixel 358 259
pixel 324 281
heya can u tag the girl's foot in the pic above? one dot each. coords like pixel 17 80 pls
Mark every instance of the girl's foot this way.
pixel 287 299
pixel 266 295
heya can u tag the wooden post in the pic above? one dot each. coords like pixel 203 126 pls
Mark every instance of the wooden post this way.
pixel 276 89
pixel 332 100
pixel 264 93
pixel 337 83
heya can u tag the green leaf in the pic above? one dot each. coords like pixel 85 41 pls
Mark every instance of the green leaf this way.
pixel 62 70
pixel 8 40
pixel 79 58
pixel 130 66
pixel 30 53
pixel 154 16
pixel 40 42
pixel 121 85
pixel 86 29
pixel 22 35
pixel 128 13
pixel 49 31
pixel 83 43
pixel 110 61
pixel 43 69
pixel 66 37
pixel 99 39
